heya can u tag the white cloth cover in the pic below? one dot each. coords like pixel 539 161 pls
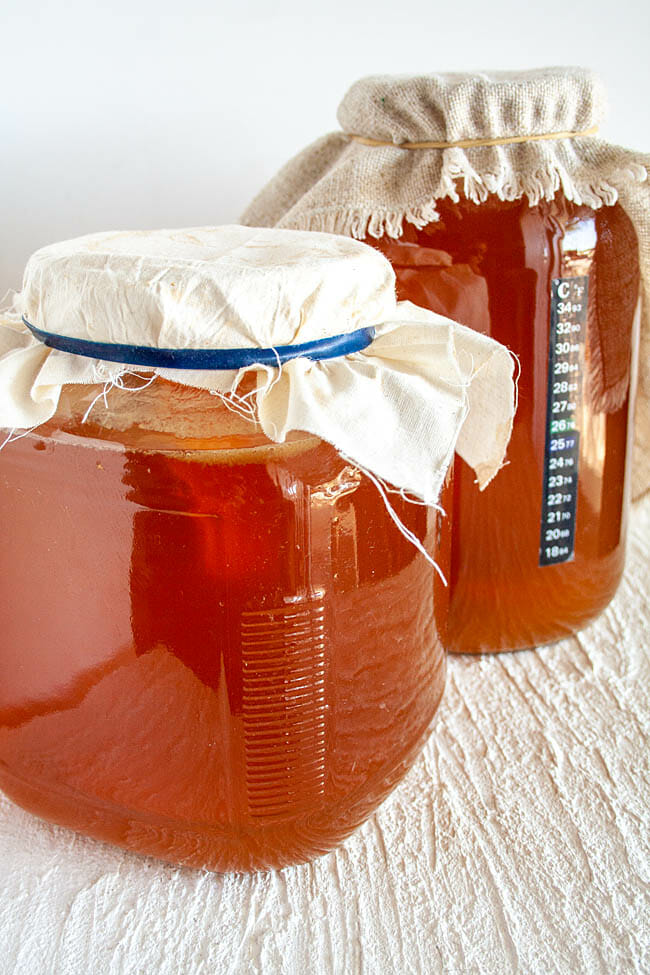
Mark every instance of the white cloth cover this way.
pixel 398 409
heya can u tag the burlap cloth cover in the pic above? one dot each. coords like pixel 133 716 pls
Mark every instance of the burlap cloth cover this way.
pixel 341 185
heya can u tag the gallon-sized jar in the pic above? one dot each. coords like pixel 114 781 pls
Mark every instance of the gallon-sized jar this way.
pixel 222 598
pixel 217 650
pixel 541 551
pixel 498 206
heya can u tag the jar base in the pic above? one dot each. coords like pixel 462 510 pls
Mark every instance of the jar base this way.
pixel 545 635
pixel 220 849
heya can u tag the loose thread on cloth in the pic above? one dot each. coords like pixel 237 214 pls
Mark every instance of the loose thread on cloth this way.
pixel 410 536
pixel 242 405
pixel 12 436
pixel 117 382
pixel 239 405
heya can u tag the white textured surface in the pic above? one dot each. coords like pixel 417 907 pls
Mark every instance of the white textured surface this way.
pixel 518 844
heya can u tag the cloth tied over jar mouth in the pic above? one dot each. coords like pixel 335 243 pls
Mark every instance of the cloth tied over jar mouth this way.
pixel 314 317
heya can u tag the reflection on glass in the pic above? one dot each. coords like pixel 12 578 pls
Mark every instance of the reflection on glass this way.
pixel 491 267
pixel 228 655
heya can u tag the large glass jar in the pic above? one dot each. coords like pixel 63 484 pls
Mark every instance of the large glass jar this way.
pixel 214 649
pixel 540 552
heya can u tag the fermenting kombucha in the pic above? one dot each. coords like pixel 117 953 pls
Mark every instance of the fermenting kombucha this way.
pixel 213 649
pixel 540 552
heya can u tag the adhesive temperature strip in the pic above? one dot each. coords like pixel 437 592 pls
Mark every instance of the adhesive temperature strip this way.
pixel 565 369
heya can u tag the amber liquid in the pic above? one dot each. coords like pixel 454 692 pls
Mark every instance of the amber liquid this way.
pixel 490 267
pixel 223 656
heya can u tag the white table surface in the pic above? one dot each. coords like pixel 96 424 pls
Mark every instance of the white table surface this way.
pixel 518 844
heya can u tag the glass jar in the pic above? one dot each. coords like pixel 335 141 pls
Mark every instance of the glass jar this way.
pixel 540 552
pixel 214 649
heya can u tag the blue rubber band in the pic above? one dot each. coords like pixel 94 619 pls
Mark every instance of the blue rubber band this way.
pixel 146 355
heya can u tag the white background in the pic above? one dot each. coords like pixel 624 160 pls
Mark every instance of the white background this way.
pixel 150 114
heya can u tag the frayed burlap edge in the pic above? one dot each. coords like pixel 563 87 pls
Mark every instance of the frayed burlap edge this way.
pixel 299 197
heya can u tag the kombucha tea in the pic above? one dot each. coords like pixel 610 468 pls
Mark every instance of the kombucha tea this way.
pixel 214 649
pixel 540 552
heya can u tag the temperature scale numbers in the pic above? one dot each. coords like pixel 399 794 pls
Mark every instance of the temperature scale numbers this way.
pixel 565 367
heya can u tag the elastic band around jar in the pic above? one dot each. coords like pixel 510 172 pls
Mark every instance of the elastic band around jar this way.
pixel 332 347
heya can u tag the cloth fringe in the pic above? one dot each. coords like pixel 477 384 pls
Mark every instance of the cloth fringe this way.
pixel 543 185
pixel 340 187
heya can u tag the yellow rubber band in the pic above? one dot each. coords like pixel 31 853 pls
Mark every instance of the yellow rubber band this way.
pixel 471 143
